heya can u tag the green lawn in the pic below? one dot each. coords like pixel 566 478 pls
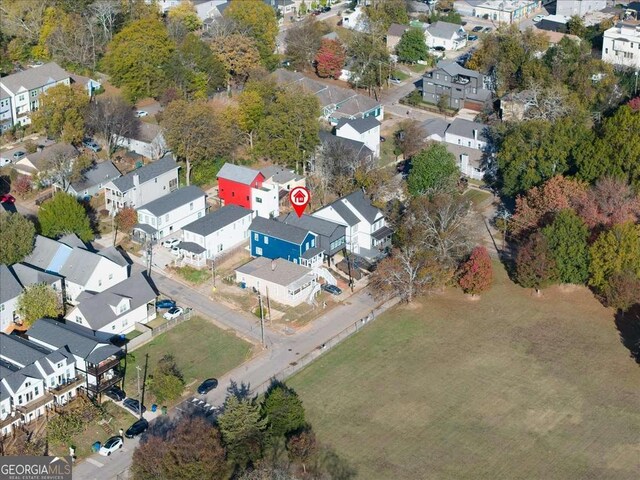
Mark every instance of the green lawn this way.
pixel 201 349
pixel 507 387
pixel 476 196
pixel 193 275
pixel 400 75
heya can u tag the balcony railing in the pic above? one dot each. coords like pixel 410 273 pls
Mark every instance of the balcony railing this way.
pixel 105 381
pixel 35 404
pixel 67 385
pixel 109 363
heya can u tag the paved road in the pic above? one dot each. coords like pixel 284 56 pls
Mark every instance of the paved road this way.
pixel 281 352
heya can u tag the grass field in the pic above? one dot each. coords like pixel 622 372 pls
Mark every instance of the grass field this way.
pixel 476 196
pixel 201 351
pixel 507 387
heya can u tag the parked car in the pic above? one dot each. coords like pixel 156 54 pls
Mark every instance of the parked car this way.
pixel 175 251
pixel 332 289
pixel 4 161
pixel 7 198
pixel 141 113
pixel 116 394
pixel 395 80
pixel 18 155
pixel 137 428
pixel 110 446
pixel 171 243
pixel 165 303
pixel 477 29
pixel 134 405
pixel 487 29
pixel 91 145
pixel 326 9
pixel 538 18
pixel 439 49
pixel 172 313
pixel 208 385
pixel 472 38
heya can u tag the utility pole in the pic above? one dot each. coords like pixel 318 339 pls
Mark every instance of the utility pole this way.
pixel 146 365
pixel 261 320
pixel 138 375
pixel 269 307
pixel 636 89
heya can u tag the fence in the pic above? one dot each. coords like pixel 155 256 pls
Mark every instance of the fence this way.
pixel 144 337
pixel 148 332
pixel 305 360
pixel 169 324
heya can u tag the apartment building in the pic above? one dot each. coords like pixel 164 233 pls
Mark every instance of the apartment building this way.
pixel 621 44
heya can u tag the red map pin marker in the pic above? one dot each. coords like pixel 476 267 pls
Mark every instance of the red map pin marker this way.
pixel 299 198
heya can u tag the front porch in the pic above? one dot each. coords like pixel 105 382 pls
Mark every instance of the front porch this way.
pixel 143 233
pixel 193 254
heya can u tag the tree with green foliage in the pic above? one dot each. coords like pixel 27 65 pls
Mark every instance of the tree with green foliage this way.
pixel 411 48
pixel 17 235
pixel 238 53
pixel 61 113
pixel 138 57
pixel 370 61
pixel 382 13
pixel 615 251
pixel 531 152
pixel 433 170
pixel 259 19
pixel 183 18
pixel 575 26
pixel 567 237
pixel 622 290
pixel 242 428
pixel 189 128
pixel 289 132
pixel 303 41
pixel 38 301
pixel 535 266
pixel 167 382
pixel 283 409
pixel 63 214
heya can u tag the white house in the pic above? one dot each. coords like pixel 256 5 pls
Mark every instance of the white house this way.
pixel 579 7
pixel 117 309
pixel 39 162
pixel 20 92
pixel 621 44
pixel 366 228
pixel 220 231
pixel 503 11
pixel 147 141
pixel 9 294
pixel 170 213
pixel 365 130
pixel 142 185
pixel 448 35
pixel 467 134
pixel 354 19
pixel 282 281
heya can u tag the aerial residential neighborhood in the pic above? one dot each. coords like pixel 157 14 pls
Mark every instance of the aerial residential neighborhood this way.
pixel 329 239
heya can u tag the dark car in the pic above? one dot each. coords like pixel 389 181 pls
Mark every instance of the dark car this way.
pixel 439 49
pixel 472 38
pixel 332 289
pixel 165 303
pixel 208 385
pixel 137 428
pixel 116 394
pixel 477 29
pixel 326 9
pixel 134 405
pixel 91 145
pixel 382 139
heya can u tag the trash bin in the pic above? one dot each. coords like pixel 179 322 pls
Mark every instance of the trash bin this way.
pixel 164 409
pixel 96 446
pixel 154 407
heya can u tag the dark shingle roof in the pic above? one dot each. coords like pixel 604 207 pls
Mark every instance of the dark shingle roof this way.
pixel 360 125
pixel 113 254
pixel 464 128
pixel 146 173
pixel 363 205
pixel 10 288
pixel 278 271
pixel 174 200
pixel 396 30
pixel 191 247
pixel 279 174
pixel 21 352
pixel 275 229
pixel 358 148
pixel 238 173
pixel 216 220
pixel 316 225
pixel 100 173
pixel 35 77
pixel 80 265
pixel 28 275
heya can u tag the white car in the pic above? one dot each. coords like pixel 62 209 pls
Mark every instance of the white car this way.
pixel 538 18
pixel 110 446
pixel 141 113
pixel 175 251
pixel 172 313
pixel 171 243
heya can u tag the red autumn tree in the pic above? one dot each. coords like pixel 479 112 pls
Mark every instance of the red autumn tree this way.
pixel 330 59
pixel 609 202
pixel 535 266
pixel 634 104
pixel 125 220
pixel 623 290
pixel 476 273
pixel 540 203
pixel 302 446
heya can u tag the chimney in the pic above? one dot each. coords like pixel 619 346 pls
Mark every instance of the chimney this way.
pixel 136 180
pixel 475 134
pixel 273 265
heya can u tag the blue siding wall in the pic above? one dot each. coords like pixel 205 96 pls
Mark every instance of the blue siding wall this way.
pixel 270 247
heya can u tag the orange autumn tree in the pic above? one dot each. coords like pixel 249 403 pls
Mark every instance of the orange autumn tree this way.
pixel 476 274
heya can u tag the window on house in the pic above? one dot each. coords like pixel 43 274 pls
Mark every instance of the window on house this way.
pixel 258 200
pixel 36 391
pixel 100 282
pixel 233 194
pixel 111 276
pixel 191 206
pixel 78 319
pixel 258 251
pixel 256 237
pixel 266 240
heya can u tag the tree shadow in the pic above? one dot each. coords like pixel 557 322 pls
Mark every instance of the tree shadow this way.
pixel 241 391
pixel 628 325
pixel 5 184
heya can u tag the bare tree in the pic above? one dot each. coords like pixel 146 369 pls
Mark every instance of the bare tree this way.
pixel 547 103
pixel 111 117
pixel 65 166
pixel 223 27
pixel 303 42
pixel 106 13
pixel 410 138
pixel 23 19
pixel 76 40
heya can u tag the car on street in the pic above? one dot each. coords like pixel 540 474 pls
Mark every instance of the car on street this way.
pixel 165 303
pixel 171 243
pixel 172 313
pixel 110 446
pixel 141 113
pixel 538 18
pixel 91 145
pixel 116 394
pixel 439 49
pixel 4 161
pixel 7 198
pixel 136 428
pixel 326 9
pixel 208 385
pixel 472 38
pixel 477 29
pixel 175 251
pixel 18 155
pixel 395 80
pixel 134 405
pixel 332 289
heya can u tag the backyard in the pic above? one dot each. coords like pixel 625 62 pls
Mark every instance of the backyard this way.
pixel 510 386
pixel 201 350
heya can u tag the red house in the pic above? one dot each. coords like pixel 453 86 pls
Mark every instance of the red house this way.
pixel 235 184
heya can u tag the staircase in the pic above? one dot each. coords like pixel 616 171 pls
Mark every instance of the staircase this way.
pixel 326 274
pixel 311 299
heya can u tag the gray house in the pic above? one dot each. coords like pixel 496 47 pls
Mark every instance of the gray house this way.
pixel 464 88
pixel 331 237
pixel 94 180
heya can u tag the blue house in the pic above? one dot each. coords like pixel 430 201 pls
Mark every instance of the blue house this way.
pixel 273 239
